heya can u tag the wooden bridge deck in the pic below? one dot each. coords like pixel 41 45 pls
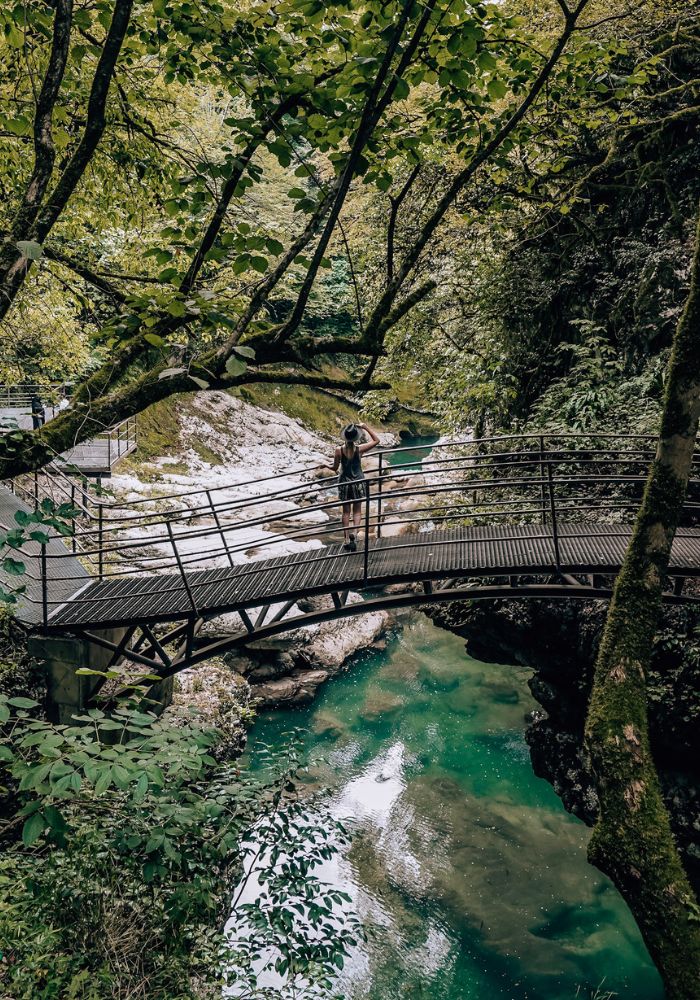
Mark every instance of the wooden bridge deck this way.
pixel 488 551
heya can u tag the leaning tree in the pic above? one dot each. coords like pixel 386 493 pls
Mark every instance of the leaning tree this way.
pixel 327 98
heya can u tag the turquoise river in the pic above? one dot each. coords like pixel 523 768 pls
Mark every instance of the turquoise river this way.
pixel 469 877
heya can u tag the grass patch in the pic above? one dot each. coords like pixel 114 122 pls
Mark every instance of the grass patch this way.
pixel 327 414
pixel 316 410
pixel 206 453
pixel 158 429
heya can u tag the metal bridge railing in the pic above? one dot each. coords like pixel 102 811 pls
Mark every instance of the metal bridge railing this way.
pixel 545 481
pixel 16 396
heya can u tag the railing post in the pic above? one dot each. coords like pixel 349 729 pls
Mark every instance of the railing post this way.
pixel 553 515
pixel 72 515
pixel 380 473
pixel 36 490
pixel 365 569
pixel 44 587
pixel 185 581
pixel 100 532
pixel 109 449
pixel 543 488
pixel 215 514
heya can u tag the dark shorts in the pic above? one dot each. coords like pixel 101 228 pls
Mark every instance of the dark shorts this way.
pixel 353 491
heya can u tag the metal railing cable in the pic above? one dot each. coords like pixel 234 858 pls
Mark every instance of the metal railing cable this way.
pixel 396 495
pixel 475 456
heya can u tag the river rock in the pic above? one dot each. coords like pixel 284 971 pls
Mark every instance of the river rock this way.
pixel 218 697
pixel 298 688
pixel 380 705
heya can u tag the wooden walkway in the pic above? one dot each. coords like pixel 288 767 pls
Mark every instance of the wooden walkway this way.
pixel 452 553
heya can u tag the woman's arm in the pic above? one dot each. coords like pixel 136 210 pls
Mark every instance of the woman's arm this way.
pixel 370 444
pixel 336 461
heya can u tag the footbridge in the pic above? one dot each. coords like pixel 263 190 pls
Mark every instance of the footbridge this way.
pixel 509 517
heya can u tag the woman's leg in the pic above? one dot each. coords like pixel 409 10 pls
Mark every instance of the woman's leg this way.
pixel 346 521
pixel 357 515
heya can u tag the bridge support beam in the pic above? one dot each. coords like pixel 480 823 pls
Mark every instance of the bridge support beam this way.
pixel 69 693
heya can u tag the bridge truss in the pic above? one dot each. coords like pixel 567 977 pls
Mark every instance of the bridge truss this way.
pixel 517 516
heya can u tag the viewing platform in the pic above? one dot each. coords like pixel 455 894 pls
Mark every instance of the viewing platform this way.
pixel 95 457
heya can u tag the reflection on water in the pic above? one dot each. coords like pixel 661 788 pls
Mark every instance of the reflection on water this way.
pixel 469 877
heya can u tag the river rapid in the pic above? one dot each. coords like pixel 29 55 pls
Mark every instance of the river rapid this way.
pixel 469 877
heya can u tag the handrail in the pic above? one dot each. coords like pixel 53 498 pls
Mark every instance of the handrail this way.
pixel 471 443
pixel 571 483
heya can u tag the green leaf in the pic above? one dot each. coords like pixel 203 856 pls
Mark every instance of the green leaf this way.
pixel 104 781
pixel 141 788
pixel 402 90
pixel 497 89
pixel 153 338
pixel 29 249
pixel 199 382
pixel 120 776
pixel 245 352
pixel 13 567
pixel 33 829
pixel 154 843
pixel 235 367
pixel 486 61
pixel 54 818
pixel 22 702
pixel 6 753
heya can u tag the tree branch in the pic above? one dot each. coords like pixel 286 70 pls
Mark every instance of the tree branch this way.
pixel 44 148
pixel 396 203
pixel 96 121
pixel 14 268
pixel 372 112
pixel 13 264
pixel 462 179
pixel 85 273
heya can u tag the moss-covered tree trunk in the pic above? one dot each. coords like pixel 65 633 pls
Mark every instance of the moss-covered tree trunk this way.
pixel 632 841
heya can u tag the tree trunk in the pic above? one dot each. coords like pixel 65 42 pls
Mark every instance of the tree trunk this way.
pixel 632 841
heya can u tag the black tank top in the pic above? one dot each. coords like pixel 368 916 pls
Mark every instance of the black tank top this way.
pixel 350 468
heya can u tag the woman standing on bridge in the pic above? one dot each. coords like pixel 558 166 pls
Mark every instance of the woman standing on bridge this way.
pixel 352 486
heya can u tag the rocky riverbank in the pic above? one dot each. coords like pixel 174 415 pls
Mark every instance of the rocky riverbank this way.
pixel 224 442
pixel 559 641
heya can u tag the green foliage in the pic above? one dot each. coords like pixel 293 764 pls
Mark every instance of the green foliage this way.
pixel 596 394
pixel 589 231
pixel 194 96
pixel 19 674
pixel 133 838
pixel 32 526
pixel 317 411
